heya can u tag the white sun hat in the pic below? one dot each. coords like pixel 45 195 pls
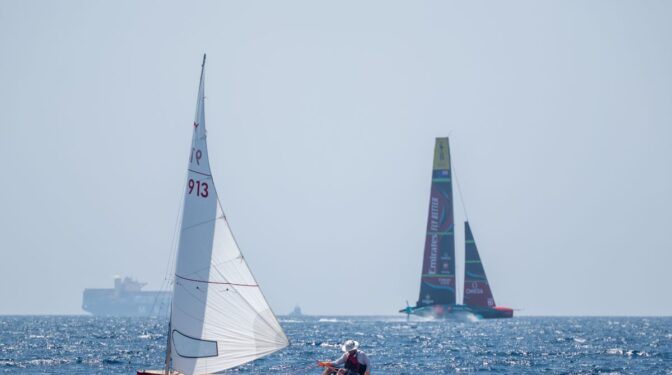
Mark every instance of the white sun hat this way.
pixel 349 345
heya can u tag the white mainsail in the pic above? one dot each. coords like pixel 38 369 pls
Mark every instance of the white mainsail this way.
pixel 220 318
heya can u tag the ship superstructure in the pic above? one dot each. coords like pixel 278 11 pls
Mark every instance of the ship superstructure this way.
pixel 126 299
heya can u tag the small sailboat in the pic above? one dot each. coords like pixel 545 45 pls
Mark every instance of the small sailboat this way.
pixel 219 316
pixel 296 312
pixel 438 284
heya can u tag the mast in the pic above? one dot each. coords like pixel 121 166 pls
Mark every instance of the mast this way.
pixel 202 68
pixel 168 351
pixel 170 320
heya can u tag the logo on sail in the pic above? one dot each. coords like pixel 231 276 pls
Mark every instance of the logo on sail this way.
pixel 433 227
pixel 474 289
pixel 428 299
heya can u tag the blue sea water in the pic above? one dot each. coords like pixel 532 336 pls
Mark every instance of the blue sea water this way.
pixel 523 345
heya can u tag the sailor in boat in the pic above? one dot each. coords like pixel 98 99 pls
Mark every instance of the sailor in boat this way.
pixel 354 361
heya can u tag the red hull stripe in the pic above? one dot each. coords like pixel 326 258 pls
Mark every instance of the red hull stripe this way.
pixel 215 282
pixel 503 308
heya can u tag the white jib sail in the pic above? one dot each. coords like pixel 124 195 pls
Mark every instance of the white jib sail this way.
pixel 219 319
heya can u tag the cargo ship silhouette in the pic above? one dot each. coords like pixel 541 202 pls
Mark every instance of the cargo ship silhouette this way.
pixel 126 299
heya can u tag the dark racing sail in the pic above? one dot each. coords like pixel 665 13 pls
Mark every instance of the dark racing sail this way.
pixel 437 285
pixel 476 288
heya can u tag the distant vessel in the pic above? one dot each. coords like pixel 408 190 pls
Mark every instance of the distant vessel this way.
pixel 219 318
pixel 296 312
pixel 438 282
pixel 125 299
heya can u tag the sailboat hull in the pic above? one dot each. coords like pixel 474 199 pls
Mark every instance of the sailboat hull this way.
pixel 459 312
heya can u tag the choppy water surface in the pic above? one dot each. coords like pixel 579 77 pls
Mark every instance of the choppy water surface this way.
pixel 87 345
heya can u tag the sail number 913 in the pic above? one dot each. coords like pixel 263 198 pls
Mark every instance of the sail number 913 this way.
pixel 200 188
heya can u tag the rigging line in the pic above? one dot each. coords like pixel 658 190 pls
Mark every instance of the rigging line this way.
pixel 205 251
pixel 459 190
pixel 214 265
pixel 201 173
pixel 172 258
pixel 155 303
pixel 165 284
pixel 176 231
pixel 215 282
pixel 199 224
pixel 224 261
pixel 217 262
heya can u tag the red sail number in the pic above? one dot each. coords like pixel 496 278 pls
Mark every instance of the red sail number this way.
pixel 199 187
pixel 195 153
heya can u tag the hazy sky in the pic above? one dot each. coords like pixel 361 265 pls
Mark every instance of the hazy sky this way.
pixel 322 117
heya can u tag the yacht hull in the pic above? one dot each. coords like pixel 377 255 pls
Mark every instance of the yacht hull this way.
pixel 459 312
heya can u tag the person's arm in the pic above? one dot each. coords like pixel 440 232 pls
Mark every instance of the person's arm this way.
pixel 339 361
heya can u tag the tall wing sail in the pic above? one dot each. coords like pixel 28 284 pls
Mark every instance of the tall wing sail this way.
pixel 476 288
pixel 220 318
pixel 437 285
